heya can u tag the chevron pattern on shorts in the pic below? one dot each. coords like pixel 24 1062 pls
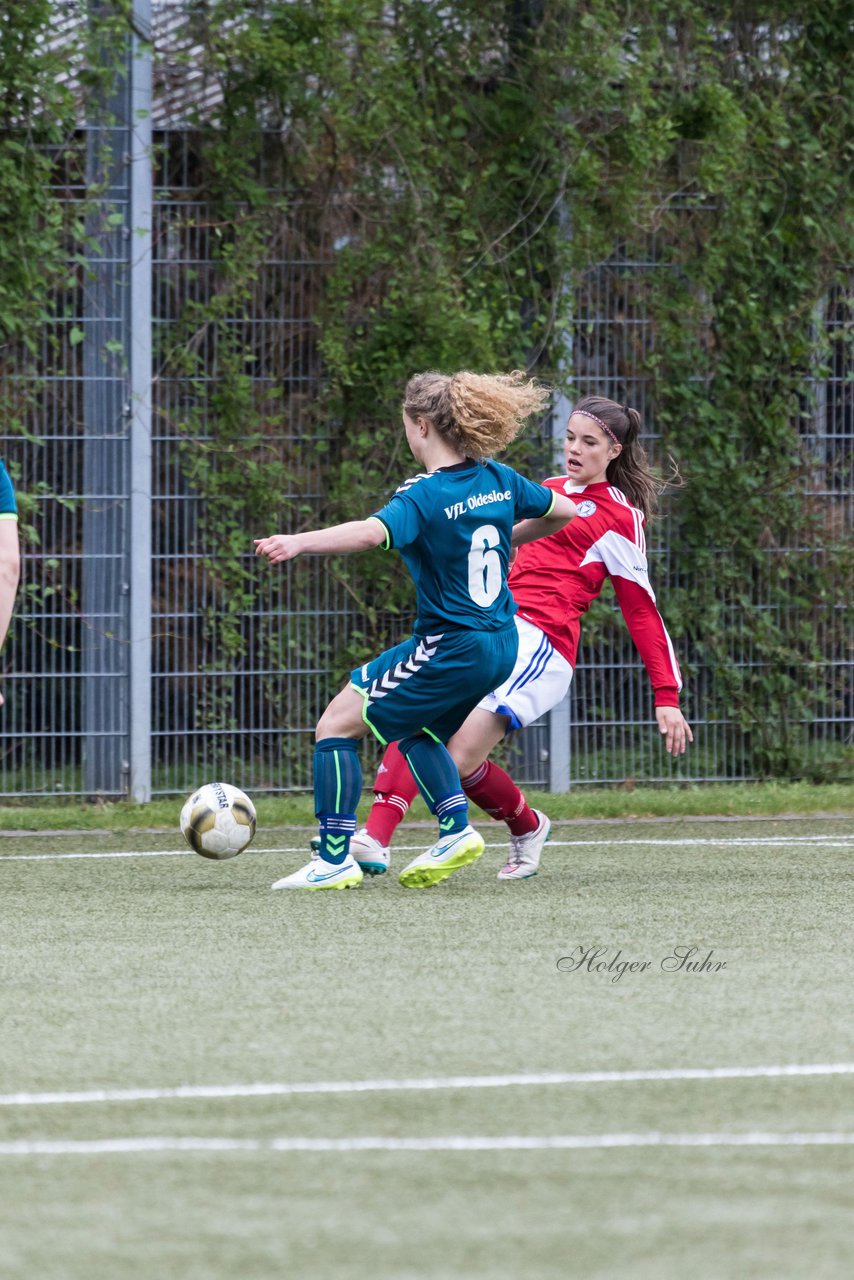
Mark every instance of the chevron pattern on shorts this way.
pixel 392 679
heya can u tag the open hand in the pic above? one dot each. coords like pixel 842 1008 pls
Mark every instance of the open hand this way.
pixel 675 728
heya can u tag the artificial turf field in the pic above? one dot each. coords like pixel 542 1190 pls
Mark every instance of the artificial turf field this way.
pixel 159 1012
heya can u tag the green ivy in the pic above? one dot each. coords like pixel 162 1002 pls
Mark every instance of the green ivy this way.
pixel 468 161
pixel 456 169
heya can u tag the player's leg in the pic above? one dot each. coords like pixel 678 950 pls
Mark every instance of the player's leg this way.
pixel 468 662
pixel 485 782
pixel 337 789
pixel 418 694
pixel 539 681
pixel 394 790
pixel 438 780
pixel 493 790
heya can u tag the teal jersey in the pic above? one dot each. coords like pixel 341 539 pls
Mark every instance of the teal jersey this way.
pixel 8 505
pixel 453 527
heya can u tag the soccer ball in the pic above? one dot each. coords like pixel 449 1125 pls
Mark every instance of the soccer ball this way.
pixel 218 820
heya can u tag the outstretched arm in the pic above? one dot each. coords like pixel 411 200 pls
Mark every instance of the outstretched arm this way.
pixel 355 535
pixel 561 513
pixel 626 563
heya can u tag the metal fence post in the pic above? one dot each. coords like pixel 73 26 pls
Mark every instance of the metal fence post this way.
pixel 559 747
pixel 105 447
pixel 139 354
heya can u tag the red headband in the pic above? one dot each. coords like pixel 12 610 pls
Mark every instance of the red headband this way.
pixel 585 413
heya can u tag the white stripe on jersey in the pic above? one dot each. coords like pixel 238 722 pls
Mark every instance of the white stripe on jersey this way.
pixel 621 557
pixel 637 515
pixel 673 662
pixel 618 496
pixel 407 484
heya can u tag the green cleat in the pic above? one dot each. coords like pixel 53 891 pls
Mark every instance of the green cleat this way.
pixel 443 859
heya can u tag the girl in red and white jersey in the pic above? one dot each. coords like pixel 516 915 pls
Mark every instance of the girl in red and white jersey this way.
pixel 554 581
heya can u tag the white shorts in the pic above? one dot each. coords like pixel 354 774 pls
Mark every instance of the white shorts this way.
pixel 538 682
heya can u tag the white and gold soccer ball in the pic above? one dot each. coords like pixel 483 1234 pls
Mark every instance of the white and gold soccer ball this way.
pixel 218 820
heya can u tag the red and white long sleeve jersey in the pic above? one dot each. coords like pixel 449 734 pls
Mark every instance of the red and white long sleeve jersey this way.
pixel 555 580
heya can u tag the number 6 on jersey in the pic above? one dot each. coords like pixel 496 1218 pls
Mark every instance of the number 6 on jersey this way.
pixel 484 566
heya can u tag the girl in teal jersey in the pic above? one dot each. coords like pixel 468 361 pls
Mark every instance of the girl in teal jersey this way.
pixel 453 523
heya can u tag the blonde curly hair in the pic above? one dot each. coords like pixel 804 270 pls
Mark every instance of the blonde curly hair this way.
pixel 479 414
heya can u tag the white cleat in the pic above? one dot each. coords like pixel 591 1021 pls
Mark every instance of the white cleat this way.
pixel 444 858
pixel 319 874
pixel 371 856
pixel 525 851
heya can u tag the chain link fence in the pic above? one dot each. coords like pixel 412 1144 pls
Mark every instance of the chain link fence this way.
pixel 85 679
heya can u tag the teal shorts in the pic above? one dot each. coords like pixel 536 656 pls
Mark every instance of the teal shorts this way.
pixel 431 683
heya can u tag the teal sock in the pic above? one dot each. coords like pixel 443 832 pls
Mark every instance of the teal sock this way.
pixel 438 779
pixel 337 788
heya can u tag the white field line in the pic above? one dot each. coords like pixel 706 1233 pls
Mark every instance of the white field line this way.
pixel 551 1142
pixel 723 842
pixel 138 853
pixel 427 1083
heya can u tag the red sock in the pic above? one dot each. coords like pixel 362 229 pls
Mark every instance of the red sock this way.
pixel 394 790
pixel 496 792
